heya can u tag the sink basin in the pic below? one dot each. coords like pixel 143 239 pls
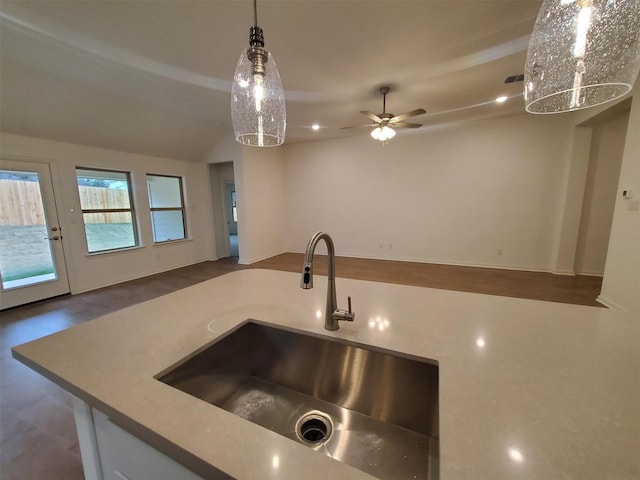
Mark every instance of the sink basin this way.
pixel 373 409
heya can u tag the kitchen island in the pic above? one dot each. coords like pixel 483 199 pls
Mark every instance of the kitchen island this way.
pixel 527 389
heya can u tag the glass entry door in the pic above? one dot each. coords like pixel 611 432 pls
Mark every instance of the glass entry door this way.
pixel 32 263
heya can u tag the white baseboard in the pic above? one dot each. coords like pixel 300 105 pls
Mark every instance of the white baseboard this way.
pixel 591 274
pixel 610 303
pixel 449 262
pixel 129 278
pixel 581 274
pixel 567 273
pixel 245 261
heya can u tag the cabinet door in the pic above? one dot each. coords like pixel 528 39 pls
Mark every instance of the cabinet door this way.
pixel 125 457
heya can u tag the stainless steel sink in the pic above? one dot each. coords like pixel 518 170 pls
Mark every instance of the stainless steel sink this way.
pixel 373 409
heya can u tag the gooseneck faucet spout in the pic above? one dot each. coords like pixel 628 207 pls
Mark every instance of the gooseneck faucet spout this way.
pixel 332 313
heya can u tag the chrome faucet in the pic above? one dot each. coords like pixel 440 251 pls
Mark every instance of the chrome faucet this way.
pixel 332 313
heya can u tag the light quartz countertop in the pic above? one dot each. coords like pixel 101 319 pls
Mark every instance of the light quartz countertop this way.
pixel 528 389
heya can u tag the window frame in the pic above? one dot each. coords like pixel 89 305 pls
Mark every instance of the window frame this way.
pixel 131 210
pixel 182 208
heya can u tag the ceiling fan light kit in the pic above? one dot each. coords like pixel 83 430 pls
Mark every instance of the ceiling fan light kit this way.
pixel 258 110
pixel 582 53
pixel 383 133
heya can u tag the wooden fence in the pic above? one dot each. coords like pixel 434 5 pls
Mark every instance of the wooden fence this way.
pixel 21 203
pixel 97 198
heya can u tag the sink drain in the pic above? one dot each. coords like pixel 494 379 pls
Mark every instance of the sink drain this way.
pixel 314 427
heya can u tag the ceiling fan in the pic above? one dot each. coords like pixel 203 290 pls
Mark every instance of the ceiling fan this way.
pixel 385 123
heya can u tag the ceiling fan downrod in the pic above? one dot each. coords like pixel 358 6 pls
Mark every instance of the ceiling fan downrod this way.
pixel 384 91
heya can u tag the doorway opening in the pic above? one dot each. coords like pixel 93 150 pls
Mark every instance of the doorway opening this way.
pixel 225 210
pixel 232 217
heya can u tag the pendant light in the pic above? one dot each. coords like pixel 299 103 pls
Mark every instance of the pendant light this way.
pixel 258 111
pixel 582 53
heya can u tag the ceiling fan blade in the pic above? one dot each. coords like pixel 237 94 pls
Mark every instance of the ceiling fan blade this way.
pixel 403 116
pixel 360 126
pixel 405 125
pixel 371 115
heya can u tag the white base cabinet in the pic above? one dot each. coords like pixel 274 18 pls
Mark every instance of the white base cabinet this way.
pixel 111 453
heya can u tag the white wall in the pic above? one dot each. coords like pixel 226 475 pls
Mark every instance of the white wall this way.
pixel 621 283
pixel 225 150
pixel 260 187
pixel 576 177
pixel 454 195
pixel 607 147
pixel 87 272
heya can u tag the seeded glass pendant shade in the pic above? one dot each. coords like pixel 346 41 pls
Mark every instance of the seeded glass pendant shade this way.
pixel 582 53
pixel 258 109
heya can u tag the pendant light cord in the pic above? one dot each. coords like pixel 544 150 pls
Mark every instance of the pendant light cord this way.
pixel 255 12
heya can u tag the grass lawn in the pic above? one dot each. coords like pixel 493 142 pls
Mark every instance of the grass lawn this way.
pixel 25 250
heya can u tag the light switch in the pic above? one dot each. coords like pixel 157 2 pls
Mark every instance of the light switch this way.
pixel 633 205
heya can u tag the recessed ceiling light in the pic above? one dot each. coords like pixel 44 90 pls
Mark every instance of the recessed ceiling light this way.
pixel 502 99
pixel 516 455
pixel 315 126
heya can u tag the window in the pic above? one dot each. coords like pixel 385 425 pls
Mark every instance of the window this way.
pixel 107 209
pixel 167 208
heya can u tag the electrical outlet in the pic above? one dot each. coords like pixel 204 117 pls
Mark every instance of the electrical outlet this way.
pixel 499 251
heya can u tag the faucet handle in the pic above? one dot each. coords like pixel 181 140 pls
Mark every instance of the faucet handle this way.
pixel 344 315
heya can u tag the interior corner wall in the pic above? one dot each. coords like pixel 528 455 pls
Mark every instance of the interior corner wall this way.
pixel 576 177
pixel 225 150
pixel 259 180
pixel 621 282
pixel 88 272
pixel 486 193
pixel 601 185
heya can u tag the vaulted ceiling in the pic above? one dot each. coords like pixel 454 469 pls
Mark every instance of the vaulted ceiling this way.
pixel 154 77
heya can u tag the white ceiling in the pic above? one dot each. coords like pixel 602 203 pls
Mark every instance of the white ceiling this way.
pixel 153 77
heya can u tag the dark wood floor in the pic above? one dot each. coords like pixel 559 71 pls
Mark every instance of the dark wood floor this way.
pixel 579 289
pixel 37 431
